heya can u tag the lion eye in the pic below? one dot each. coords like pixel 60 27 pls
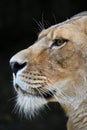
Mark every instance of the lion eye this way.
pixel 58 42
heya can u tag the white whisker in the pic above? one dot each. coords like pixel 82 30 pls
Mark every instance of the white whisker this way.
pixel 13 98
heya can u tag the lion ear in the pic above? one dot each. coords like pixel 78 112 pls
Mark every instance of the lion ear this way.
pixel 84 13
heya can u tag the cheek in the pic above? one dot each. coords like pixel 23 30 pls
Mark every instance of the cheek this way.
pixel 67 51
pixel 73 63
pixel 56 73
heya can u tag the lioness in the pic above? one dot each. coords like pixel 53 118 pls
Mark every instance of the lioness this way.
pixel 54 69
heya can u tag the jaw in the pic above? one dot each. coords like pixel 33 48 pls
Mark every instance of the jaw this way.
pixel 30 104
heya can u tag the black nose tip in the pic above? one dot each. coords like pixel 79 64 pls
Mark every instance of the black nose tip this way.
pixel 15 66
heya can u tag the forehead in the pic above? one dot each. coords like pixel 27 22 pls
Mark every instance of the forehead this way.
pixel 64 28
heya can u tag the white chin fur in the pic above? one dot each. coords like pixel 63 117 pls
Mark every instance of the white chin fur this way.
pixel 30 105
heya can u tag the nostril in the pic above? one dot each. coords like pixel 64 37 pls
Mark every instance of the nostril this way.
pixel 15 66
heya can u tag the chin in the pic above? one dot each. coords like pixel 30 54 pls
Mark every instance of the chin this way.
pixel 29 105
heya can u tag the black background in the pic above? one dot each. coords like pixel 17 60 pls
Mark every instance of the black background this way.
pixel 18 30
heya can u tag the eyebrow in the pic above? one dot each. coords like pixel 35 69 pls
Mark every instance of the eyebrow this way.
pixel 74 18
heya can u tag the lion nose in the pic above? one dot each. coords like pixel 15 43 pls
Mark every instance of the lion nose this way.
pixel 15 66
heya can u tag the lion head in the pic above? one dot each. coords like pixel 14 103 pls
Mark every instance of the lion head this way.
pixel 54 68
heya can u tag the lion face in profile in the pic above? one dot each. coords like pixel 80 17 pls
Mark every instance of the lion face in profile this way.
pixel 54 68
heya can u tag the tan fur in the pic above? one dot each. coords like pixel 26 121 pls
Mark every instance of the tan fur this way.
pixel 60 68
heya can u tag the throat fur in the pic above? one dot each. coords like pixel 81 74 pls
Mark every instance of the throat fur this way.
pixel 78 118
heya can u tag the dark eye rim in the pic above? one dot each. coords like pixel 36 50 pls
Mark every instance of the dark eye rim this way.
pixel 58 42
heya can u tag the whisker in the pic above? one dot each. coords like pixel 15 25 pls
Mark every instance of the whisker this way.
pixel 47 23
pixel 42 21
pixel 15 109
pixel 40 25
pixel 55 20
pixel 12 98
pixel 40 92
pixel 46 91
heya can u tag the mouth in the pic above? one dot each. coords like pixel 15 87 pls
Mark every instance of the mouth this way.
pixel 35 92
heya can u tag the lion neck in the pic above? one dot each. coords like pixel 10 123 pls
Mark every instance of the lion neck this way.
pixel 76 107
pixel 78 117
